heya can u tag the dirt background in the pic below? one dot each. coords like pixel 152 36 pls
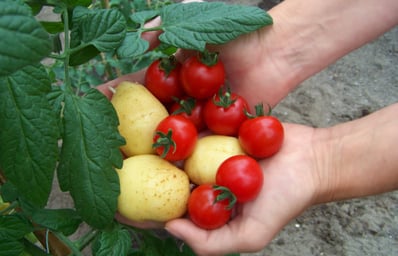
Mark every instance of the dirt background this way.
pixel 360 83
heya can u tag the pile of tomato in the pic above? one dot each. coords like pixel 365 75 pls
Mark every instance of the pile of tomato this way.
pixel 198 100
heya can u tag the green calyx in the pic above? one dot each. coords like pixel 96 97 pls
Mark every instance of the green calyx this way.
pixel 226 194
pixel 186 106
pixel 208 58
pixel 259 111
pixel 165 141
pixel 168 64
pixel 224 98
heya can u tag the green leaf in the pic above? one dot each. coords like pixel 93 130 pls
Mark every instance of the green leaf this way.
pixel 132 46
pixel 14 226
pixel 28 133
pixel 104 29
pixel 11 247
pixel 62 220
pixel 23 39
pixel 83 55
pixel 193 25
pixel 90 151
pixel 112 243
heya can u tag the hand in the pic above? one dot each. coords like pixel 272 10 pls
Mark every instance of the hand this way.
pixel 290 186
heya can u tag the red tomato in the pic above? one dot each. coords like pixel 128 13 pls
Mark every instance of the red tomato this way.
pixel 192 109
pixel 224 113
pixel 175 138
pixel 261 136
pixel 162 79
pixel 200 80
pixel 205 210
pixel 242 175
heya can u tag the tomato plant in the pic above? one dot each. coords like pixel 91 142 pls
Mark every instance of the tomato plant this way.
pixel 225 112
pixel 53 121
pixel 261 136
pixel 209 206
pixel 192 109
pixel 175 138
pixel 162 78
pixel 241 174
pixel 202 75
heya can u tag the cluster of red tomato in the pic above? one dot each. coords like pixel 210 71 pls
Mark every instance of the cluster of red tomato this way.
pixel 197 99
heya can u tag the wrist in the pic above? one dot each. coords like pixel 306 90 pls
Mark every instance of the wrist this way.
pixel 357 158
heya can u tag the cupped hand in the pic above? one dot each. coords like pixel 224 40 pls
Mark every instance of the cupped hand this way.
pixel 290 183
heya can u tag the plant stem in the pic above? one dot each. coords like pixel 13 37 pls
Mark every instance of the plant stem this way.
pixel 67 47
pixel 86 239
pixel 72 246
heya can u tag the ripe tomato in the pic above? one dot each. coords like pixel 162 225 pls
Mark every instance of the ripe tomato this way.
pixel 208 211
pixel 225 112
pixel 162 79
pixel 175 138
pixel 261 136
pixel 192 109
pixel 242 175
pixel 202 77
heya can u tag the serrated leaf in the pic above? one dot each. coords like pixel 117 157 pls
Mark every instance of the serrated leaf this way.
pixel 193 25
pixel 28 133
pixel 112 243
pixel 90 151
pixel 13 226
pixel 105 29
pixel 132 46
pixel 62 220
pixel 19 29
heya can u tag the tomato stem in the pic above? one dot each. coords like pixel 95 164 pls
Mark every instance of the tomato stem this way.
pixel 166 141
pixel 226 194
pixel 208 58
pixel 224 98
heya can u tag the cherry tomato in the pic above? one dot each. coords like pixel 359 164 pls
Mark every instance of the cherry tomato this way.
pixel 202 77
pixel 261 136
pixel 242 175
pixel 225 112
pixel 206 209
pixel 162 78
pixel 192 109
pixel 175 138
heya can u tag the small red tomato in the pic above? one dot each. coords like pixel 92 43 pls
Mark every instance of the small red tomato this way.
pixel 208 207
pixel 192 109
pixel 201 77
pixel 175 138
pixel 162 79
pixel 242 175
pixel 225 112
pixel 261 136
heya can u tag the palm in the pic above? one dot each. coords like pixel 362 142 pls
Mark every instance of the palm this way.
pixel 287 191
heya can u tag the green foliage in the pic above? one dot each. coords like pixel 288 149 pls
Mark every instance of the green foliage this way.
pixel 53 122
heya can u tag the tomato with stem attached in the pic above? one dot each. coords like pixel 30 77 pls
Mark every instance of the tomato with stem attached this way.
pixel 202 75
pixel 210 206
pixel 190 108
pixel 225 112
pixel 261 135
pixel 243 175
pixel 175 138
pixel 162 79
